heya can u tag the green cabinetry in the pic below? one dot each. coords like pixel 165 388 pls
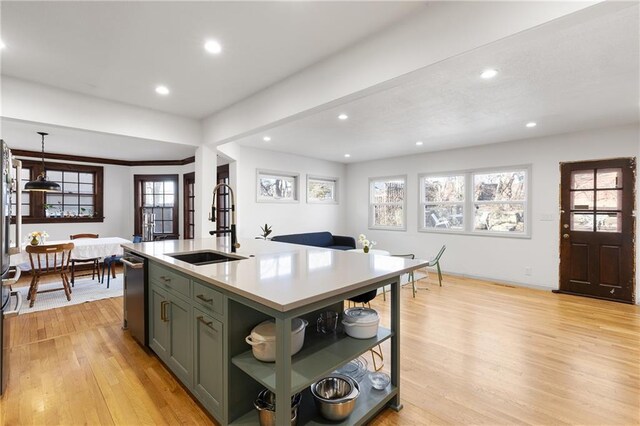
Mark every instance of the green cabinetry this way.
pixel 186 332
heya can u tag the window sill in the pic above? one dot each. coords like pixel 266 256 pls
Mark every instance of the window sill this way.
pixel 476 234
pixel 34 220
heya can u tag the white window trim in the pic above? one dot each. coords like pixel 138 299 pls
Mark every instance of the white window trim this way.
pixel 404 204
pixel 469 202
pixel 296 186
pixel 336 182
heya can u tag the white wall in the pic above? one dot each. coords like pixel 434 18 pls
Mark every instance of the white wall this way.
pixel 285 218
pixel 491 257
pixel 118 203
pixel 118 200
pixel 33 102
pixel 158 170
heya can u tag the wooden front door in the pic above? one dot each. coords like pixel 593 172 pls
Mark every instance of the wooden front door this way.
pixel 596 229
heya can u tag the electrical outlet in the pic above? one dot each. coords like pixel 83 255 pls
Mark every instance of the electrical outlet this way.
pixel 527 270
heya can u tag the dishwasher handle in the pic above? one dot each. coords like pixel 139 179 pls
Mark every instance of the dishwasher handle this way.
pixel 133 262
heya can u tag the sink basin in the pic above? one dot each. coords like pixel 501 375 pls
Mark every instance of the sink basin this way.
pixel 204 257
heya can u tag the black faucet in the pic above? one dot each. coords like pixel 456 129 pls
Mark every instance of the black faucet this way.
pixel 212 217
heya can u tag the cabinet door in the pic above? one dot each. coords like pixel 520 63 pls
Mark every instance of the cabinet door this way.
pixel 158 322
pixel 181 346
pixel 208 362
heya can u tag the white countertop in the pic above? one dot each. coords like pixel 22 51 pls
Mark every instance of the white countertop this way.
pixel 279 275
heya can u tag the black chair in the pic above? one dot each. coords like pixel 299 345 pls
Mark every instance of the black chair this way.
pixel 95 261
pixel 112 260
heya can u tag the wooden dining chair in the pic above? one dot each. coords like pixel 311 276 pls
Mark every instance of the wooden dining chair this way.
pixel 95 261
pixel 46 260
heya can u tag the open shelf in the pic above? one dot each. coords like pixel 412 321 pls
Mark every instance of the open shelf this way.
pixel 320 355
pixel 369 403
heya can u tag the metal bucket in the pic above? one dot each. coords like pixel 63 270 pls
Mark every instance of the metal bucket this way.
pixel 265 403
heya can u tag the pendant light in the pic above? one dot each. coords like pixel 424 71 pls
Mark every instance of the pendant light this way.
pixel 41 183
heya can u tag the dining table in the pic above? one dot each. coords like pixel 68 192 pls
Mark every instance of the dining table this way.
pixel 84 248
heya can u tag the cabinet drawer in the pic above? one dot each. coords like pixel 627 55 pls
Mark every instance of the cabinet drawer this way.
pixel 168 279
pixel 208 298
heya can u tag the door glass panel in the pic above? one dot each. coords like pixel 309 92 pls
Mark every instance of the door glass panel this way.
pixel 609 178
pixel 609 200
pixel 582 179
pixel 582 200
pixel 581 222
pixel 609 222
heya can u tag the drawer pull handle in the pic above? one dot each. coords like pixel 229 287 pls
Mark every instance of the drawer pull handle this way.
pixel 163 313
pixel 165 279
pixel 205 322
pixel 204 299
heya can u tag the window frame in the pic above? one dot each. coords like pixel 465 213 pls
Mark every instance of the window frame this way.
pixel 334 180
pixel 296 186
pixel 371 204
pixel 469 203
pixel 37 199
pixel 138 181
pixel 422 203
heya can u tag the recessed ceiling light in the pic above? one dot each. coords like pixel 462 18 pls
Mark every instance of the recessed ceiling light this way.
pixel 419 143
pixel 212 46
pixel 489 73
pixel 531 124
pixel 266 138
pixel 2 45
pixel 343 116
pixel 347 155
pixel 162 90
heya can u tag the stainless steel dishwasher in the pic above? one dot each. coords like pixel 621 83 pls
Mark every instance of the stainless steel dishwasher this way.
pixel 135 297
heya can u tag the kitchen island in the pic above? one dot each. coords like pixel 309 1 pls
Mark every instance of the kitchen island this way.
pixel 199 315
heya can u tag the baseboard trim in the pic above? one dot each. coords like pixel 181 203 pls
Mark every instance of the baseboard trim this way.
pixel 500 282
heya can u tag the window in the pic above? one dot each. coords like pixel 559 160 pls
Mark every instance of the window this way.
pixel 322 190
pixel 493 202
pixel 25 203
pixel 443 201
pixel 387 203
pixel 277 186
pixel 158 195
pixel 80 198
pixel 189 190
pixel 499 201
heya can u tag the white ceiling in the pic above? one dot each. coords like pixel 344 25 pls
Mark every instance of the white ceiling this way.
pixel 122 50
pixel 61 140
pixel 566 77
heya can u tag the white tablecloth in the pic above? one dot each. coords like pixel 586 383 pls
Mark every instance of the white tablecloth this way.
pixel 84 248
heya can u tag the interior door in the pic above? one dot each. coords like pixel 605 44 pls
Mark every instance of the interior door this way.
pixel 597 225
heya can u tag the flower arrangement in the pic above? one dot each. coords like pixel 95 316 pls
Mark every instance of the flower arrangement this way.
pixel 37 237
pixel 366 244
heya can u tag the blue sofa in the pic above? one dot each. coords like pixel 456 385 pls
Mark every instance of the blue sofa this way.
pixel 318 239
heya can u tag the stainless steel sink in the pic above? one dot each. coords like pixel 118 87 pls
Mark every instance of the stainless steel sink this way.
pixel 205 257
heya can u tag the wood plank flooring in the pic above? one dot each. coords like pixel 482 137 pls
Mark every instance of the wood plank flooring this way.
pixel 472 353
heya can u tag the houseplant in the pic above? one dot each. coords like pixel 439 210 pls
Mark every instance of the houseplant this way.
pixel 366 244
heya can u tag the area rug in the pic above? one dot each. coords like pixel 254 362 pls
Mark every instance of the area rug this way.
pixel 85 290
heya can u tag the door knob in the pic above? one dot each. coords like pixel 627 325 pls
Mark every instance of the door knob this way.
pixel 565 226
pixel 565 236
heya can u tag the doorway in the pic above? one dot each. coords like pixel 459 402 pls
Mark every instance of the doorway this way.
pixel 597 248
pixel 223 203
pixel 189 191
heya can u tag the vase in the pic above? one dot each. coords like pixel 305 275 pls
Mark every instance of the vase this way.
pixel 366 249
pixel 35 241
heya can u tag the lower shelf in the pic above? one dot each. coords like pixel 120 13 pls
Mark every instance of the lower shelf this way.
pixel 369 403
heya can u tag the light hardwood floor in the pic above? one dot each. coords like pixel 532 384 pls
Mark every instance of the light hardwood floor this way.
pixel 472 353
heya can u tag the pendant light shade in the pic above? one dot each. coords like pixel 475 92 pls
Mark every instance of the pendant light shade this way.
pixel 41 183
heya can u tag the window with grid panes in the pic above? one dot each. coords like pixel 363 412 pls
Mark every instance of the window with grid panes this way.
pixel 80 198
pixel 387 208
pixel 158 194
pixel 25 203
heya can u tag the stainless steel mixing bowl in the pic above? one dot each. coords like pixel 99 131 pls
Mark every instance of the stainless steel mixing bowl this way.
pixel 335 396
